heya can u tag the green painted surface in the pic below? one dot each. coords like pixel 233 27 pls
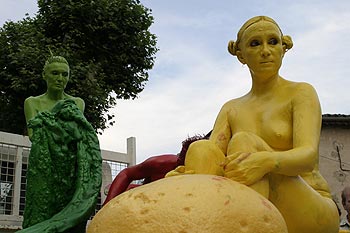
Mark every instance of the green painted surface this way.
pixel 64 172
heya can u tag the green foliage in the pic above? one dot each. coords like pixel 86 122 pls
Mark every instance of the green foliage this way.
pixel 107 43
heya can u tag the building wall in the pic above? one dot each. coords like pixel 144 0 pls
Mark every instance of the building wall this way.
pixel 335 159
pixel 14 153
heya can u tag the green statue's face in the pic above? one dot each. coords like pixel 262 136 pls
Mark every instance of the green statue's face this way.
pixel 56 76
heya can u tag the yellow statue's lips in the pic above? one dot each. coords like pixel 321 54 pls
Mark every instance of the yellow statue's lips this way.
pixel 189 204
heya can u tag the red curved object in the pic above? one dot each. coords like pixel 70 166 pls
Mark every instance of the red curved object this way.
pixel 153 168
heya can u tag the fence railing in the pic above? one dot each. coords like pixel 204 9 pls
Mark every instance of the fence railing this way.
pixel 14 153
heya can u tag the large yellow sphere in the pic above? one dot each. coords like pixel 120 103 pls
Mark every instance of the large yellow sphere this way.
pixel 189 204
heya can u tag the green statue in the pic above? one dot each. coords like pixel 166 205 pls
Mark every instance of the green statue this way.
pixel 64 171
pixel 56 75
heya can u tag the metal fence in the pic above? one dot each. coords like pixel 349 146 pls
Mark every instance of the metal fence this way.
pixel 14 153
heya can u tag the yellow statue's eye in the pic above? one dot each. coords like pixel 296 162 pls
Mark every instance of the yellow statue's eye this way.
pixel 273 41
pixel 254 43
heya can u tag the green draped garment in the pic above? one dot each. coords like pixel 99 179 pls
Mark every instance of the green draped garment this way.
pixel 64 171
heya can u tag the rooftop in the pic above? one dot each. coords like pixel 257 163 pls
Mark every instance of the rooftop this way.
pixel 336 120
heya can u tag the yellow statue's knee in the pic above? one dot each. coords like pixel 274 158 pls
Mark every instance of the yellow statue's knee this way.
pixel 204 157
pixel 247 142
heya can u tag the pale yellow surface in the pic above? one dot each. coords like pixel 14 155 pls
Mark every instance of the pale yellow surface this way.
pixel 189 204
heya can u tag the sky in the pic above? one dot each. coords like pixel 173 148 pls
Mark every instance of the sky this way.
pixel 194 75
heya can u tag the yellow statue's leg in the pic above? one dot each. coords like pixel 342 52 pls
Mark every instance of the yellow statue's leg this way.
pixel 249 142
pixel 303 208
pixel 262 187
pixel 202 157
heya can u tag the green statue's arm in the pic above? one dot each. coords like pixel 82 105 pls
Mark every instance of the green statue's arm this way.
pixel 30 112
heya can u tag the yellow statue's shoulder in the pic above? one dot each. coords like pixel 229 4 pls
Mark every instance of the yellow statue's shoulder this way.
pixel 232 102
pixel 299 86
pixel 303 86
pixel 299 90
pixel 305 91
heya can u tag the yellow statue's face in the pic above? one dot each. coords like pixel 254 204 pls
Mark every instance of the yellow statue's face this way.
pixel 261 48
pixel 56 76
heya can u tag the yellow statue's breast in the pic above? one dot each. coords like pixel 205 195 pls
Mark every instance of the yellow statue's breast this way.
pixel 275 127
pixel 278 134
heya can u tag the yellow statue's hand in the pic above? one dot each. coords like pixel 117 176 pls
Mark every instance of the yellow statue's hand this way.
pixel 247 168
pixel 180 170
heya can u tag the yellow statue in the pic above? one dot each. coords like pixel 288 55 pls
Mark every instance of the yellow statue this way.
pixel 268 139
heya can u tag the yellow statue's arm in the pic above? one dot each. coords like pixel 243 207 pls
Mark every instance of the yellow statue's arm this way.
pixel 306 134
pixel 221 133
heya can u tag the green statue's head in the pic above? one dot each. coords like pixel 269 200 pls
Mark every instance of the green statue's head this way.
pixel 56 73
pixel 53 59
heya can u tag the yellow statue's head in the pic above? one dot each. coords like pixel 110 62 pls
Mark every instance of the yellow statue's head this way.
pixel 234 46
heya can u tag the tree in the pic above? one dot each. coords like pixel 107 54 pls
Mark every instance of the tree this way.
pixel 107 43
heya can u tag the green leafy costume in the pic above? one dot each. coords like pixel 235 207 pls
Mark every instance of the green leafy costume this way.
pixel 64 171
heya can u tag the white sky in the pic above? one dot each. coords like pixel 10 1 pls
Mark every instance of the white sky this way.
pixel 194 74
